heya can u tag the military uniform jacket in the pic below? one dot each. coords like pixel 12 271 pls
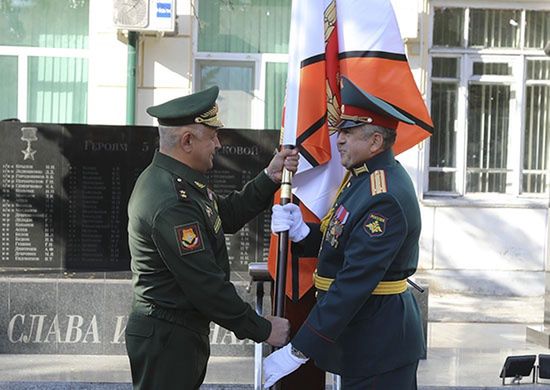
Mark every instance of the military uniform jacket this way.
pixel 372 236
pixel 179 257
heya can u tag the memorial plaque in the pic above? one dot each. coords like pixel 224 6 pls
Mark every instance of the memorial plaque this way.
pixel 64 194
pixel 31 169
pixel 65 188
pixel 104 163
pixel 243 155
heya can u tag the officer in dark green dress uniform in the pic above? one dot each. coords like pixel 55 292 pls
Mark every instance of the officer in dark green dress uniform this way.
pixel 366 325
pixel 179 262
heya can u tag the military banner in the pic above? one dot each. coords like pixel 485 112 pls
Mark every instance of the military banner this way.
pixel 360 40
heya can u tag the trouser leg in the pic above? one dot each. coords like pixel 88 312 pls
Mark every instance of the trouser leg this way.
pixel 402 378
pixel 164 355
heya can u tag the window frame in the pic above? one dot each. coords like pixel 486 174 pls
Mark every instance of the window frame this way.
pixel 259 60
pixel 467 56
pixel 23 53
pixel 259 65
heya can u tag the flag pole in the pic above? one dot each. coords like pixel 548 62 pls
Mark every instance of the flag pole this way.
pixel 282 255
pixel 282 251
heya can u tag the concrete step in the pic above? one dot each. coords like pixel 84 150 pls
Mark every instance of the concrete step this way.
pixel 128 386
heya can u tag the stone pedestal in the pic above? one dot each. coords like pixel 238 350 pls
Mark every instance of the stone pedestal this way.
pixel 541 334
pixel 84 314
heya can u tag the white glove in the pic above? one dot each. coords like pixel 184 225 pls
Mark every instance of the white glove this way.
pixel 289 217
pixel 279 364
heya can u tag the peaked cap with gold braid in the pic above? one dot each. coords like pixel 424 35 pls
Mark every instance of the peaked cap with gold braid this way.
pixel 199 107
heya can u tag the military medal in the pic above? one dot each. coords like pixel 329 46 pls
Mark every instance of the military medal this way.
pixel 336 226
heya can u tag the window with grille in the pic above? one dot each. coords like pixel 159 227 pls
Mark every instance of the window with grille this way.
pixel 490 101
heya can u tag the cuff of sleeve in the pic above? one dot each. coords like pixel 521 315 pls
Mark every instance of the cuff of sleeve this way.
pixel 254 327
pixel 264 182
pixel 310 343
pixel 301 233
pixel 267 174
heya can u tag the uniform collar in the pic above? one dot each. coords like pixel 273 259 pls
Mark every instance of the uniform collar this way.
pixel 377 162
pixel 182 171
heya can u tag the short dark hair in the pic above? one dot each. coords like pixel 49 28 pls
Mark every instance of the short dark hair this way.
pixel 388 135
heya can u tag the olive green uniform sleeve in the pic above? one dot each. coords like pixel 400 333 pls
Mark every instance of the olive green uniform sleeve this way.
pixel 239 207
pixel 181 236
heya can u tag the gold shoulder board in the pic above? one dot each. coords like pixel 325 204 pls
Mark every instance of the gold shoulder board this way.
pixel 378 182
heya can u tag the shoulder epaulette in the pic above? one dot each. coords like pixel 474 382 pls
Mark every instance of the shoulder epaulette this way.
pixel 180 187
pixel 378 182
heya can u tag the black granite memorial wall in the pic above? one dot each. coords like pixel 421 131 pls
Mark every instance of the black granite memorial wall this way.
pixel 64 260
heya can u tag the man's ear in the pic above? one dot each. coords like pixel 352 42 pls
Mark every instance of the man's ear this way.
pixel 186 140
pixel 377 142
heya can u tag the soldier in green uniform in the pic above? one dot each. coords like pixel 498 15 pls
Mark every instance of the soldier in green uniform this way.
pixel 179 261
pixel 366 325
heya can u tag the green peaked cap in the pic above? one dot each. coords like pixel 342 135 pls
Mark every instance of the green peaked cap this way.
pixel 199 107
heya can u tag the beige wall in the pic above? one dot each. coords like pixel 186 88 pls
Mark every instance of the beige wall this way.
pixel 164 66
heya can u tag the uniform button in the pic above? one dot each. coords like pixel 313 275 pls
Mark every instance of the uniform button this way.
pixel 179 179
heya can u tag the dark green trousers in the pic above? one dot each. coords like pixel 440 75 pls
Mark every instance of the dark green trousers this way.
pixel 402 378
pixel 165 355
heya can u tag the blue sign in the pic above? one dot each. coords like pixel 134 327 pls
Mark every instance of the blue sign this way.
pixel 164 10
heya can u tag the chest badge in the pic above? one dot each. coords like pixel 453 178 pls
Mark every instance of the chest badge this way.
pixel 214 217
pixel 209 211
pixel 375 225
pixel 336 226
pixel 210 194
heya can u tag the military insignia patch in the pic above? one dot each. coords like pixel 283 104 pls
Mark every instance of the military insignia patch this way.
pixel 375 225
pixel 189 238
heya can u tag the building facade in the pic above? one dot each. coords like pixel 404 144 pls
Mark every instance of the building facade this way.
pixel 482 179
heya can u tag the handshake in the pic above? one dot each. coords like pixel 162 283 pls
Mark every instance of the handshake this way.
pixel 283 361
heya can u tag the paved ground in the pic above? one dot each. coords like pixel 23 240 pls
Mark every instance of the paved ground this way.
pixel 468 341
